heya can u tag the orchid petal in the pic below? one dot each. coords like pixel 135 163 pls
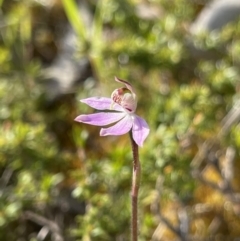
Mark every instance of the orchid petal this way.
pixel 102 103
pixel 122 127
pixel 140 130
pixel 129 86
pixel 101 119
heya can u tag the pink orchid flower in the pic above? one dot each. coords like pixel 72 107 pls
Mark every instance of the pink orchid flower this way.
pixel 122 106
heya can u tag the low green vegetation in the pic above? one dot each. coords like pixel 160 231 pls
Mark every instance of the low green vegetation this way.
pixel 60 181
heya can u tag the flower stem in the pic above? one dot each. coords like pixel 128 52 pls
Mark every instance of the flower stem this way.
pixel 136 178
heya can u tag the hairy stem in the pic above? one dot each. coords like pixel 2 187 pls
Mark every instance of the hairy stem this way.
pixel 136 177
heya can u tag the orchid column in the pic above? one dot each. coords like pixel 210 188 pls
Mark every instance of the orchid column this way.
pixel 122 104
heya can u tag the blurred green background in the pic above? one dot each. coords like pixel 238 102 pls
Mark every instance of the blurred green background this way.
pixel 59 180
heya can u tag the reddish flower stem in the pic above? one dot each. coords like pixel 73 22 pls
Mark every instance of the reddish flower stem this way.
pixel 136 178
